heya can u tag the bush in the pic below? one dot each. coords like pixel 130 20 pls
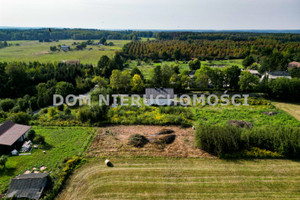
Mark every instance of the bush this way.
pixel 39 139
pixel 218 140
pixel 137 140
pixel 20 118
pixel 283 140
pixel 3 160
pixel 7 104
pixel 31 135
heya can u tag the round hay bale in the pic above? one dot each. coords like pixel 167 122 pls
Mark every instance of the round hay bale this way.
pixel 137 140
pixel 108 163
pixel 240 124
pixel 165 131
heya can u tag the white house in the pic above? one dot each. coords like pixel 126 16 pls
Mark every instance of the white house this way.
pixel 160 96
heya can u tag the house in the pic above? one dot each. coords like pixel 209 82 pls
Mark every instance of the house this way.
pixel 294 64
pixel 11 133
pixel 254 72
pixel 29 186
pixel 277 74
pixel 160 96
pixel 65 48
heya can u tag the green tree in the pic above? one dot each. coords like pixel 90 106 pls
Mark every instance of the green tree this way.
pixel 125 80
pixel 248 81
pixel 295 72
pixel 156 76
pixel 249 60
pixel 102 41
pixel 104 66
pixel 31 135
pixel 166 73
pixel 64 88
pixel 231 76
pixel 137 84
pixel 135 71
pixel 194 64
pixel 115 80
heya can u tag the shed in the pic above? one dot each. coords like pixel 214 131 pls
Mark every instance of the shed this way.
pixel 29 186
pixel 160 96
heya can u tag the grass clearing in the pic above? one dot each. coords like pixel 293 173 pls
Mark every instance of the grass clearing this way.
pixel 171 178
pixel 33 50
pixel 64 142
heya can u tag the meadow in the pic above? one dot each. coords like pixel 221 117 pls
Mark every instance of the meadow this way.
pixel 184 178
pixel 62 143
pixel 33 50
pixel 146 67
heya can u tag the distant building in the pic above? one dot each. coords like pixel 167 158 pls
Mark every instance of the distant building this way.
pixel 65 48
pixel 11 133
pixel 29 186
pixel 253 72
pixel 294 64
pixel 71 62
pixel 277 74
pixel 160 96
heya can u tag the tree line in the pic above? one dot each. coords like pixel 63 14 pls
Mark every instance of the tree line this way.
pixel 76 34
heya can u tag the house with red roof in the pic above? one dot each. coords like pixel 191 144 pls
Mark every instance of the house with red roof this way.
pixel 11 133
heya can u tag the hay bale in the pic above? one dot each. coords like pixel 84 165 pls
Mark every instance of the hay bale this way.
pixel 108 163
pixel 165 131
pixel 240 124
pixel 137 140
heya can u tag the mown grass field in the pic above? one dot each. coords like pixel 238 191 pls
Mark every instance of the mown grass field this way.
pixel 291 108
pixel 30 51
pixel 166 178
pixel 64 142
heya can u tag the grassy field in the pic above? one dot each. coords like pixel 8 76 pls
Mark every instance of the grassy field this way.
pixel 254 114
pixel 63 143
pixel 291 108
pixel 166 178
pixel 29 51
pixel 146 68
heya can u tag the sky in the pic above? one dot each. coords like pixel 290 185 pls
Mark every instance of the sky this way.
pixel 152 14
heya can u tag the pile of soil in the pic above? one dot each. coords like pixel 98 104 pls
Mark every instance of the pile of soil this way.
pixel 270 113
pixel 240 124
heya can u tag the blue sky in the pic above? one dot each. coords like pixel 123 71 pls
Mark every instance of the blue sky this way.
pixel 152 14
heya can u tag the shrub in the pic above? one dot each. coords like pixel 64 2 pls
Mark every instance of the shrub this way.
pixel 20 118
pixel 218 140
pixel 283 140
pixel 7 104
pixel 3 160
pixel 39 139
pixel 137 140
pixel 31 135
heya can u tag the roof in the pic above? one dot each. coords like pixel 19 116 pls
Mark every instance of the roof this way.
pixel 294 64
pixel 278 74
pixel 154 92
pixel 27 186
pixel 11 132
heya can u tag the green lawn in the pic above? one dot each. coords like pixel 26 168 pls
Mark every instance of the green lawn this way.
pixel 185 178
pixel 29 51
pixel 64 142
pixel 254 114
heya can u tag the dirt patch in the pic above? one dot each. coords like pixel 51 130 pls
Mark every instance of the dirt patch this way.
pixel 116 142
